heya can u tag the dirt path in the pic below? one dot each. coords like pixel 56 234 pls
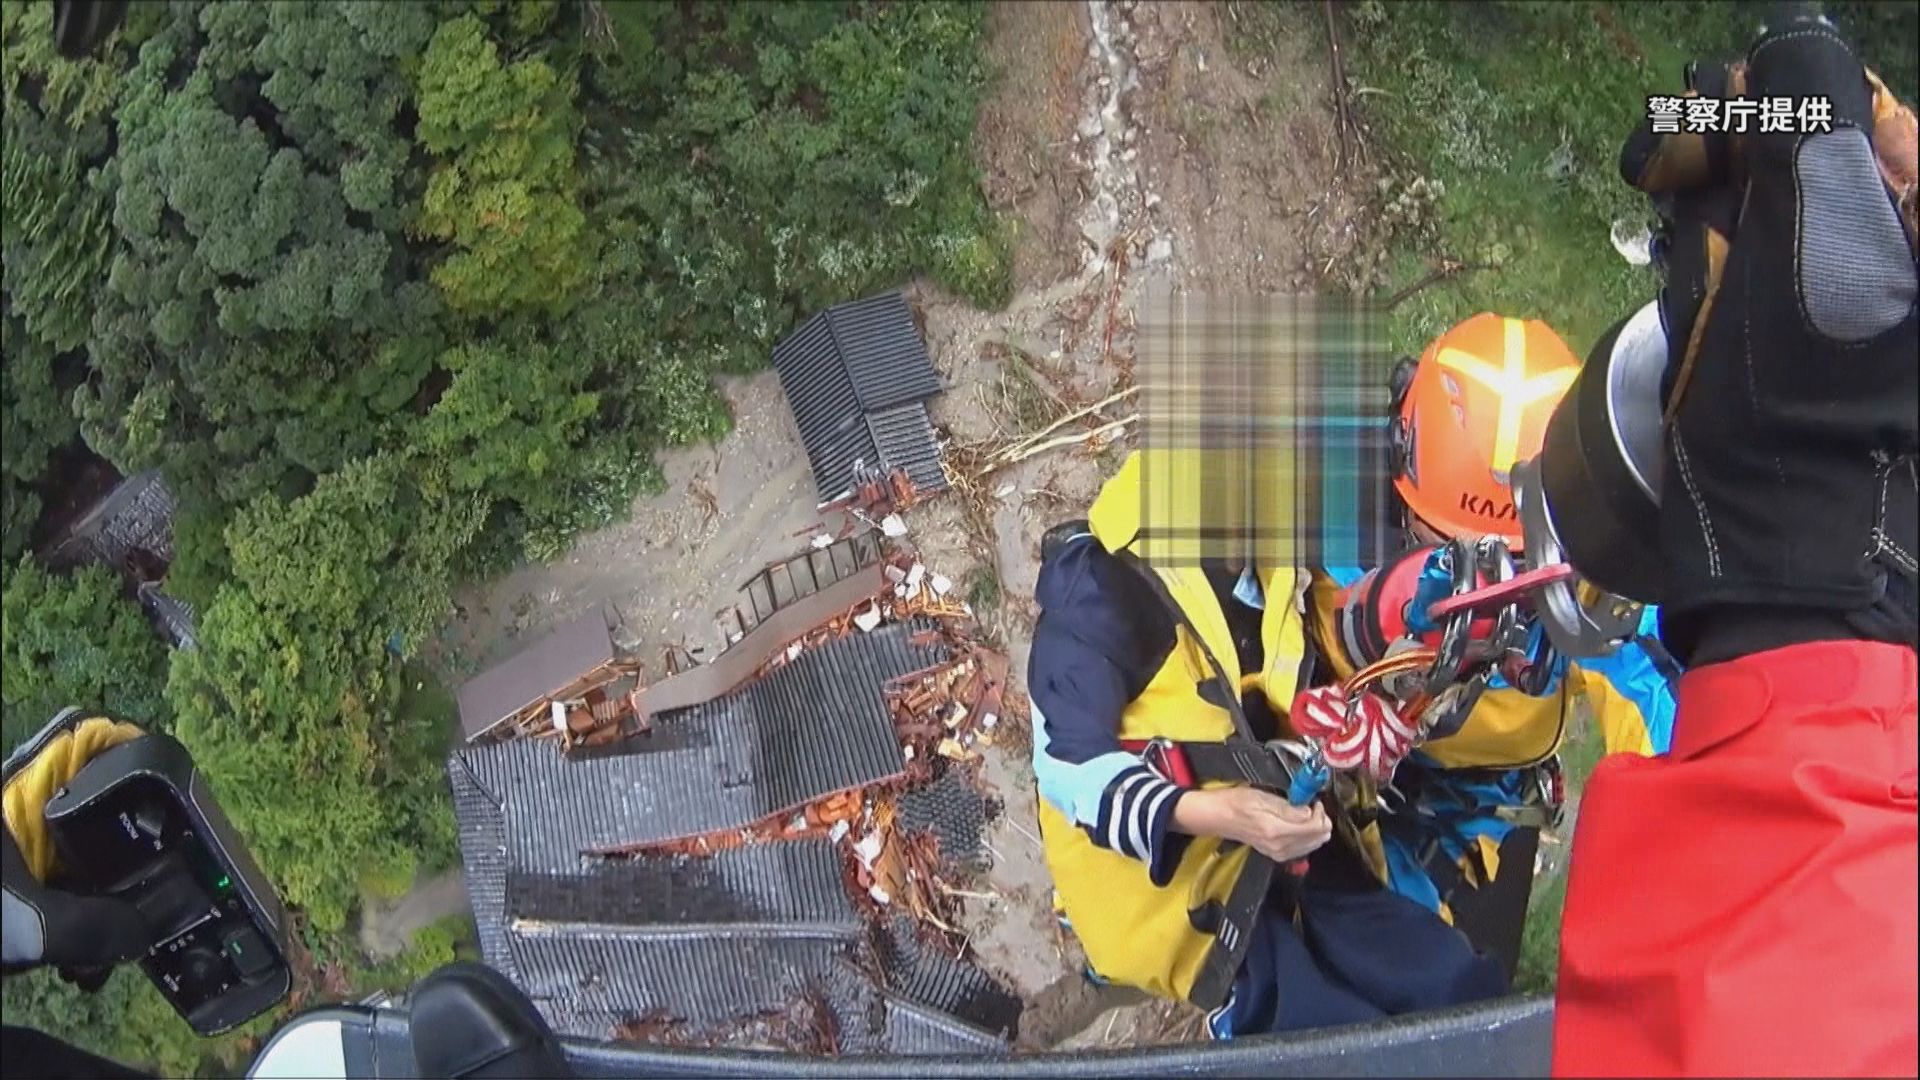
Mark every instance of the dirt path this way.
pixel 1132 145
pixel 387 929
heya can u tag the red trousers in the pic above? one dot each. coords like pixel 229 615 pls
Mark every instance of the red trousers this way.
pixel 1746 905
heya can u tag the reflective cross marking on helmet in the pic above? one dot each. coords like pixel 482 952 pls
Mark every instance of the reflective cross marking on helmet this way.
pixel 1510 384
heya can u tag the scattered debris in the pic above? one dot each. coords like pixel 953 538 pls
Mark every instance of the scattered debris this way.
pixel 877 495
pixel 893 527
pixel 805 1027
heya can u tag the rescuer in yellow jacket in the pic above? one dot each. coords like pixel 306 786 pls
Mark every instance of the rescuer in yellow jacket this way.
pixel 1153 874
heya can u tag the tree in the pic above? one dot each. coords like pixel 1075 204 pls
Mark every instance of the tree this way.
pixel 261 315
pixel 291 702
pixel 37 83
pixel 55 238
pixel 508 423
pixel 504 191
pixel 36 421
pixel 76 641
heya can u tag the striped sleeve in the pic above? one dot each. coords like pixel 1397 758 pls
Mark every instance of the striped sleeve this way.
pixel 1135 813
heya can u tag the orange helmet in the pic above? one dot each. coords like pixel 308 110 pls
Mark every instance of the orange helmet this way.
pixel 1477 402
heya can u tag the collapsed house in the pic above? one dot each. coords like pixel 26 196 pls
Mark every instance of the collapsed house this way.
pixel 857 377
pixel 754 851
pixel 130 531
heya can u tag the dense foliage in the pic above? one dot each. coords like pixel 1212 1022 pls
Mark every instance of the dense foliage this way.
pixel 400 293
pixel 74 640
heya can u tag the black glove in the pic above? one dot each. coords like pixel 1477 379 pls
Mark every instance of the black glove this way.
pixel 1789 487
pixel 83 936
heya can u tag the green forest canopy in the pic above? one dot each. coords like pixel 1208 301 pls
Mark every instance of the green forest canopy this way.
pixel 397 294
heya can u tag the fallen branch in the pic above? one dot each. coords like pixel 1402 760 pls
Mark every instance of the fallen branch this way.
pixel 1343 112
pixel 1341 120
pixel 1033 449
pixel 1448 268
pixel 1016 360
pixel 1117 260
pixel 1011 451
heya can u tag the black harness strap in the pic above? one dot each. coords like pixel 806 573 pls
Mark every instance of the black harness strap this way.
pixel 1236 918
pixel 1238 760
pixel 1232 934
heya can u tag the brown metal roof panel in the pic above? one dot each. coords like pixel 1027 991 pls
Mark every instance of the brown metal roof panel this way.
pixel 773 634
pixel 543 668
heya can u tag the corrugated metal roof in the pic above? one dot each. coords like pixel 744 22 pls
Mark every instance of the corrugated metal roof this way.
pixel 541 669
pixel 915 1030
pixel 704 978
pixel 814 726
pixel 925 976
pixel 792 883
pixel 905 440
pixel 883 351
pixel 857 377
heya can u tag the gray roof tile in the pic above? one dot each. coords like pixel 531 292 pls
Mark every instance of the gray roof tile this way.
pixel 598 942
pixel 857 377
pixel 814 726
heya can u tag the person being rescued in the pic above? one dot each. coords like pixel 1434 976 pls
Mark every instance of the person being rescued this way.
pixel 1185 880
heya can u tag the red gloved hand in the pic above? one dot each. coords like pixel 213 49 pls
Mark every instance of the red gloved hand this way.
pixel 1372 735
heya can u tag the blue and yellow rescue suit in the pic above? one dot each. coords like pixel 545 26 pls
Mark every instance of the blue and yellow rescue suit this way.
pixel 1127 652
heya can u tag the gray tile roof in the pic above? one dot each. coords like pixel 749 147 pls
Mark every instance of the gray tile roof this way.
pixel 791 884
pixel 699 977
pixel 953 809
pixel 132 524
pixel 911 1029
pixel 882 350
pixel 599 942
pixel 925 976
pixel 483 852
pixel 813 727
pixel 903 435
pixel 857 377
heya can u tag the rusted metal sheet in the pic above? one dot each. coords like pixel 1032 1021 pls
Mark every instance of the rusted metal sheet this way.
pixel 543 670
pixel 746 657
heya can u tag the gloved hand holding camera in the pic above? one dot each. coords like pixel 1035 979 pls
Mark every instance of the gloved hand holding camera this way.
pixel 82 936
pixel 1787 498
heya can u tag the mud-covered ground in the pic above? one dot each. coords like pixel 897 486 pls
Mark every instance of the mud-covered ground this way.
pixel 1129 143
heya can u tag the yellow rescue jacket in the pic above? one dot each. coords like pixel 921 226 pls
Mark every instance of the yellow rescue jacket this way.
pixel 1133 931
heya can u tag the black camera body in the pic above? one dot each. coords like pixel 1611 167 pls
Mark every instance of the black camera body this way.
pixel 139 824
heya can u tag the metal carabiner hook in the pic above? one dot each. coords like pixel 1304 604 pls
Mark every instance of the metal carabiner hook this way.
pixel 1450 657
